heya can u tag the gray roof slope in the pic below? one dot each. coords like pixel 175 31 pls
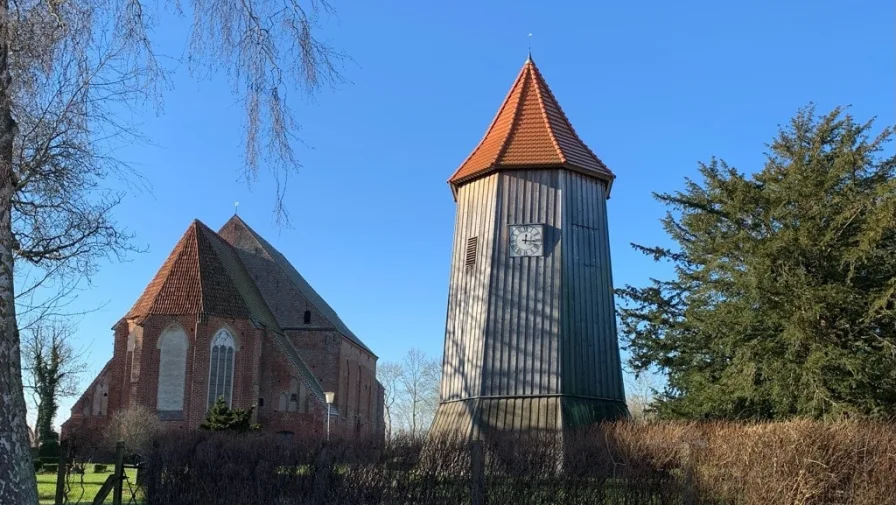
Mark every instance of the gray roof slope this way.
pixel 254 300
pixel 269 268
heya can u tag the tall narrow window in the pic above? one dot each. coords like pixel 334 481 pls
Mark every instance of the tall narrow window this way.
pixel 172 370
pixel 307 317
pixel 220 370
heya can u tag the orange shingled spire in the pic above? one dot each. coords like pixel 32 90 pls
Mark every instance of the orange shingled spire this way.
pixel 530 131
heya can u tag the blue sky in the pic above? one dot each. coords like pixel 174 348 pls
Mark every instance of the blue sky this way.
pixel 652 87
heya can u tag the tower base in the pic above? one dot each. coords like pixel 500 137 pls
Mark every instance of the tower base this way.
pixel 477 418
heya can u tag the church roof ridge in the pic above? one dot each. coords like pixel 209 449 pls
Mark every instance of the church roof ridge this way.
pixel 530 130
pixel 290 272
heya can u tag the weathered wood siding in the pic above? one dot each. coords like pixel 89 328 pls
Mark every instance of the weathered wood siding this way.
pixel 522 334
pixel 468 290
pixel 590 349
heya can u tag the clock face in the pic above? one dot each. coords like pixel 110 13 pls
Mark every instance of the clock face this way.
pixel 527 240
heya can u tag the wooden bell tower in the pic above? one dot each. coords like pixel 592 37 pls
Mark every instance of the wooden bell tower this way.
pixel 530 337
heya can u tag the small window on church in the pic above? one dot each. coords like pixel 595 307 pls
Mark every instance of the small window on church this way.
pixel 307 317
pixel 472 245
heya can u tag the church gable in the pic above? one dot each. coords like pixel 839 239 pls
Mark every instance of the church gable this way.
pixel 205 276
pixel 192 280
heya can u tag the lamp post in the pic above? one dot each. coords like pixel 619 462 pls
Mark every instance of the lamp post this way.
pixel 330 396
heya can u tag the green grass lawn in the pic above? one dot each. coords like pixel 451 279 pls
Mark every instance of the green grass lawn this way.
pixel 46 486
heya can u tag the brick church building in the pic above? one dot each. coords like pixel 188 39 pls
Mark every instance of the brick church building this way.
pixel 227 315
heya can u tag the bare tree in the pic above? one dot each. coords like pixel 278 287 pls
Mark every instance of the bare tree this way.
pixel 52 367
pixel 640 391
pixel 67 71
pixel 136 426
pixel 412 392
pixel 389 374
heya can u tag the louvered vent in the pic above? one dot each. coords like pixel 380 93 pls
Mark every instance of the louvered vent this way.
pixel 472 245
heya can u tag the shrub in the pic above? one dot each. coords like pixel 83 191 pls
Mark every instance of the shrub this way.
pixel 805 462
pixel 38 465
pixel 49 450
pixel 136 426
pixel 222 418
pixel 50 467
pixel 100 469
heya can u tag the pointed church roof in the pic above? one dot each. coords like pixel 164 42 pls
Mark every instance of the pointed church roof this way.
pixel 205 276
pixel 530 131
pixel 193 280
pixel 272 272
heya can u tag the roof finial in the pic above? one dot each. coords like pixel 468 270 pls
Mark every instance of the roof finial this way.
pixel 529 58
pixel 236 208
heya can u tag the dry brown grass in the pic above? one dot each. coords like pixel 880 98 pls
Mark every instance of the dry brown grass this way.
pixel 797 462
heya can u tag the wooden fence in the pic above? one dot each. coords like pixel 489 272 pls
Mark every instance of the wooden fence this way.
pixel 117 484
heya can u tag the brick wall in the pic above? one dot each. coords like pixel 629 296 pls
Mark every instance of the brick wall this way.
pixel 260 371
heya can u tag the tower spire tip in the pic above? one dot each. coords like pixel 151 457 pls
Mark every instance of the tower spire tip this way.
pixel 529 56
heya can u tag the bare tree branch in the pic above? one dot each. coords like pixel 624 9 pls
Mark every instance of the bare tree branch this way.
pixel 70 71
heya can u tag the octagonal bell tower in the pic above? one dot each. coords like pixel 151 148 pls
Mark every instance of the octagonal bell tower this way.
pixel 530 337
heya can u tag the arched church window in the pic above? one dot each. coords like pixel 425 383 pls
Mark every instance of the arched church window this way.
pixel 172 369
pixel 307 317
pixel 220 370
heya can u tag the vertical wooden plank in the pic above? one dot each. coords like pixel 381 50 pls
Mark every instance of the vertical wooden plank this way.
pixel 559 291
pixel 537 370
pixel 119 473
pixel 62 471
pixel 472 289
pixel 449 358
pixel 593 309
pixel 518 347
pixel 495 325
pixel 553 202
pixel 611 324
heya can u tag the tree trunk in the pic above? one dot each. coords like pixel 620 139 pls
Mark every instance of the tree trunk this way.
pixel 46 412
pixel 17 481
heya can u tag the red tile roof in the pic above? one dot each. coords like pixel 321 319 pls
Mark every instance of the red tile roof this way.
pixel 530 131
pixel 192 280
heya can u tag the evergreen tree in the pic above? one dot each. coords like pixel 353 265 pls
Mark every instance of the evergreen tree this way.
pixel 783 298
pixel 223 418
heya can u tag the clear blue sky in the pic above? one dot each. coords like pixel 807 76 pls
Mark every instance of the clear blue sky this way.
pixel 652 87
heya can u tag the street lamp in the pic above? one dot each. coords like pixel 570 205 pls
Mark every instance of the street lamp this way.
pixel 330 396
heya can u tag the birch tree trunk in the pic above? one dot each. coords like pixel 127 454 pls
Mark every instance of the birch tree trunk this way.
pixel 17 481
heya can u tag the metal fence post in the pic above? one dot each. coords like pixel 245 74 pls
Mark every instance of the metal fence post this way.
pixel 119 473
pixel 477 473
pixel 62 472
